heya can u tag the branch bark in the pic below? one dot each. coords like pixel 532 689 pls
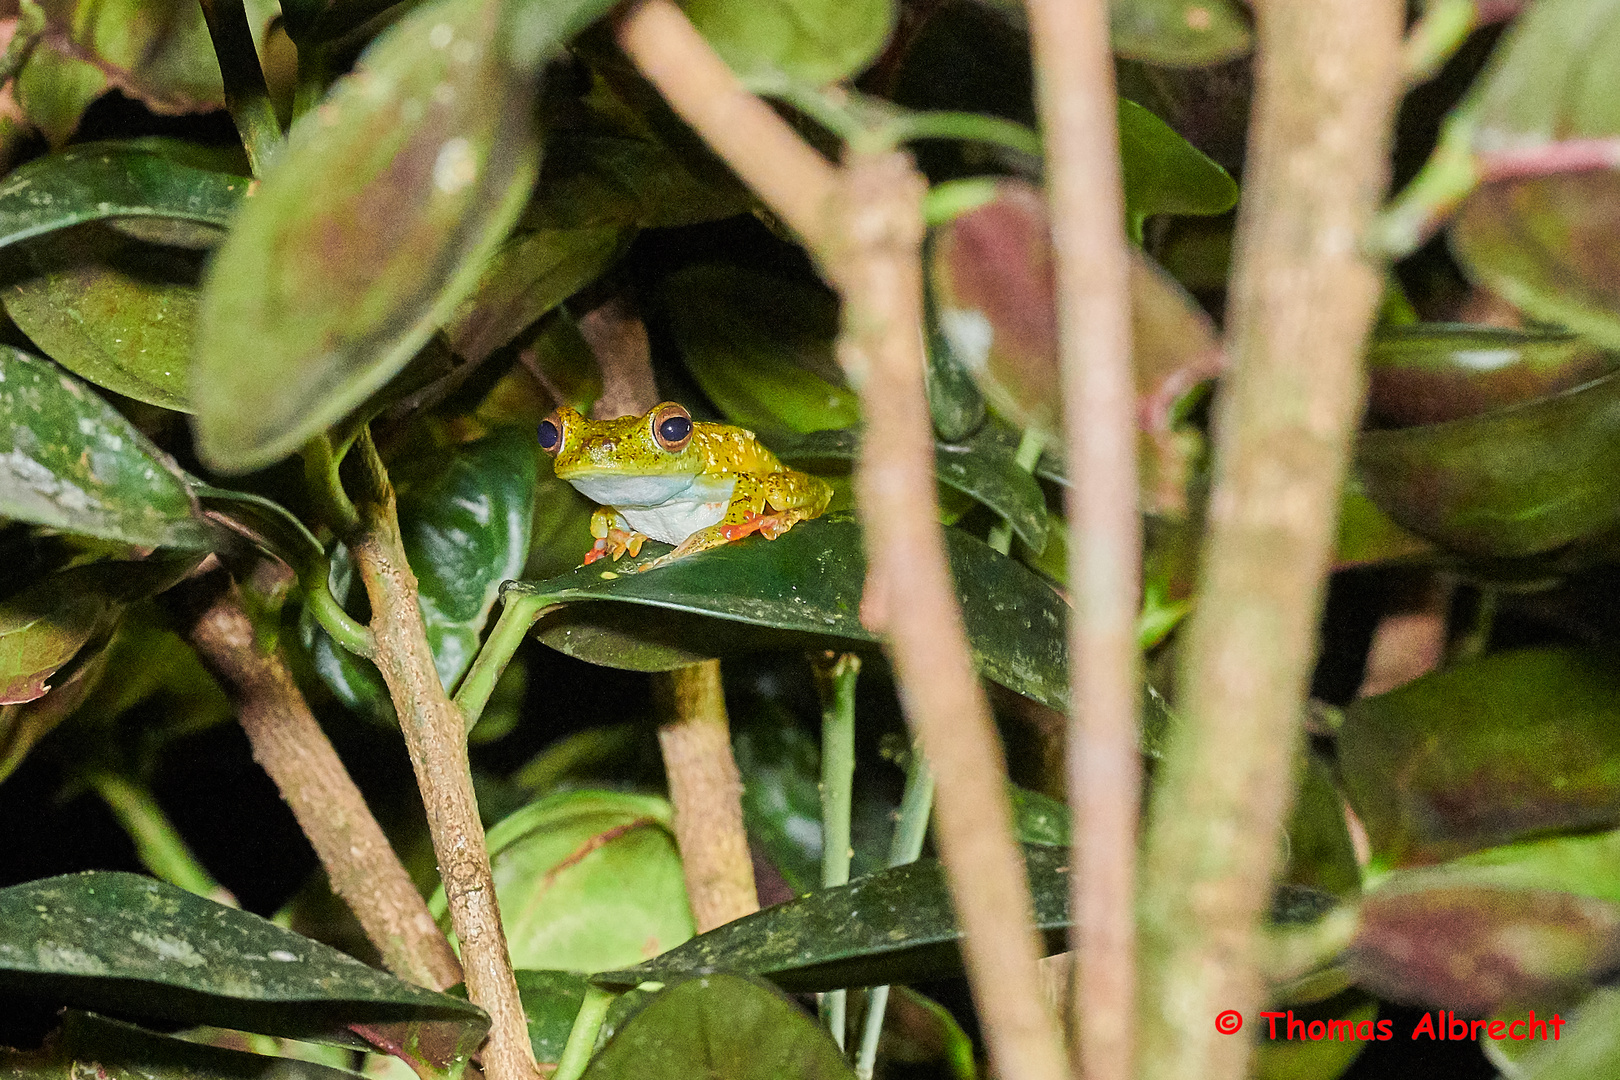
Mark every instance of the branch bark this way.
pixel 706 791
pixel 878 271
pixel 1302 300
pixel 436 740
pixel 1075 83
pixel 291 747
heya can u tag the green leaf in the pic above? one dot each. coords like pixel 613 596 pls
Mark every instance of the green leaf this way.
pixel 1038 819
pixel 530 275
pixel 587 880
pixel 1428 373
pixel 73 462
pixel 1164 173
pixel 464 515
pixel 1587 1046
pixel 761 347
pixel 1307 1059
pixel 1367 535
pixel 1486 752
pixel 890 927
pixel 1509 483
pixel 119 181
pixel 88 1044
pixel 1544 237
pixel 113 310
pixel 725 1028
pixel 808 581
pixel 810 41
pixel 551 1000
pixel 314 21
pixel 1179 33
pixel 138 947
pixel 374 223
pixel 983 466
pixel 156 51
pixel 1320 853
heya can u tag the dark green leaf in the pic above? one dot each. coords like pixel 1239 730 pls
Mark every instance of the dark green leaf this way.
pixel 1367 535
pixel 1514 482
pixel 272 526
pixel 113 310
pixel 722 1028
pixel 1039 819
pixel 1320 854
pixel 1486 752
pixel 73 462
pixel 374 223
pixel 588 880
pixel 92 1045
pixel 101 181
pixel 983 466
pixel 761 347
pixel 1543 234
pixel 464 514
pixel 893 926
pixel 808 581
pixel 138 947
pixel 1178 33
pixel 810 41
pixel 1164 173
pixel 1428 373
pixel 313 21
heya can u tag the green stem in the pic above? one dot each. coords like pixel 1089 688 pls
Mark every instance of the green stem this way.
pixel 836 680
pixel 311 85
pixel 1029 452
pixel 325 487
pixel 1445 25
pixel 1449 176
pixel 519 610
pixel 246 94
pixel 329 613
pixel 915 806
pixel 963 126
pixel 157 844
pixel 582 1036
pixel 1476 636
pixel 30 28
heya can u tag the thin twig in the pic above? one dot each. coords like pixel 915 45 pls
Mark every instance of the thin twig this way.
pixel 835 678
pixel 246 95
pixel 158 844
pixel 911 597
pixel 1302 299
pixel 436 739
pixel 784 170
pixel 292 749
pixel 706 790
pixel 1075 81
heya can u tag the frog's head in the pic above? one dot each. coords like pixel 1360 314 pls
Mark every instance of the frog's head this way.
pixel 632 461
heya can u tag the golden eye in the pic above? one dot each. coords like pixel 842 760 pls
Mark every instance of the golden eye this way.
pixel 672 427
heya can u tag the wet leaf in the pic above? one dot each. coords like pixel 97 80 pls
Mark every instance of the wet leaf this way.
pixel 1542 234
pixel 725 1028
pixel 1514 482
pixel 141 948
pixel 112 310
pixel 808 581
pixel 464 514
pixel 1164 173
pixel 531 274
pixel 374 223
pixel 810 41
pixel 88 1044
pixel 1428 373
pixel 761 347
pixel 983 466
pixel 1177 33
pixel 587 880
pixel 73 462
pixel 889 927
pixel 157 51
pixel 1486 752
pixel 118 181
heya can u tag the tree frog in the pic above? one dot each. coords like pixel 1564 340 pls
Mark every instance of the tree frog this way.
pixel 687 482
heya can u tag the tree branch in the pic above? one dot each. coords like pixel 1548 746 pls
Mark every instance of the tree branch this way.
pixel 291 747
pixel 1075 83
pixel 436 740
pixel 1302 299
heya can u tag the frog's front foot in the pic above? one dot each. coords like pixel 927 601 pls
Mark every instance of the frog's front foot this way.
pixel 615 543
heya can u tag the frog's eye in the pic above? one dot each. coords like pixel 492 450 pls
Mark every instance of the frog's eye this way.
pixel 550 435
pixel 672 427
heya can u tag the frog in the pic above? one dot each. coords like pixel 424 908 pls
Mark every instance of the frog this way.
pixel 663 476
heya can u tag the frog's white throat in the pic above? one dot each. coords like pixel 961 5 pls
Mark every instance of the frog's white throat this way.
pixel 666 508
